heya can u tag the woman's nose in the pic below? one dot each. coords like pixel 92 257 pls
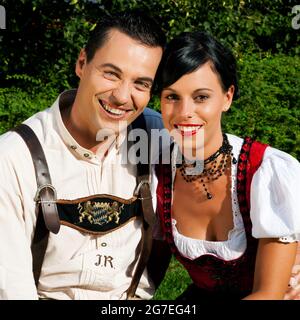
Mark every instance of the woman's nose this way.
pixel 186 108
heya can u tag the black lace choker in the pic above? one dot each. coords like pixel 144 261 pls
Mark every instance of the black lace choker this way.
pixel 210 168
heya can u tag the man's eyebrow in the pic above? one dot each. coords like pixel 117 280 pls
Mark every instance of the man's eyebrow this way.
pixel 117 69
pixel 146 79
pixel 110 65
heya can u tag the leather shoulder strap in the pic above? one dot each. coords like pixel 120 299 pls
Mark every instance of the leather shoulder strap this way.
pixel 144 193
pixel 45 195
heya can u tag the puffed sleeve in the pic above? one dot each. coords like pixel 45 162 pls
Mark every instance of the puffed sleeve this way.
pixel 275 197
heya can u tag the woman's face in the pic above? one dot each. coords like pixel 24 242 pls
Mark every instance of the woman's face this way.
pixel 192 108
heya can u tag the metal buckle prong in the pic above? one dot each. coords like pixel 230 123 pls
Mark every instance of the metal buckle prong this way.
pixel 40 188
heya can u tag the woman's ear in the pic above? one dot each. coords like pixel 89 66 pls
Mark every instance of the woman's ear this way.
pixel 228 98
pixel 80 63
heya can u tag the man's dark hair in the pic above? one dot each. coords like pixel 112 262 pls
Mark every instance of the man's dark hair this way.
pixel 189 51
pixel 136 24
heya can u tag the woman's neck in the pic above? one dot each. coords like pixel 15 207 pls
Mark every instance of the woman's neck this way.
pixel 208 148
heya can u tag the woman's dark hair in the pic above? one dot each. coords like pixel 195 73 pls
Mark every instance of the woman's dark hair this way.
pixel 136 24
pixel 190 50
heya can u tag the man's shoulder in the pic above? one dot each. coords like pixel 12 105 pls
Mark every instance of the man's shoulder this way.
pixel 11 143
pixel 151 113
pixel 11 146
pixel 153 119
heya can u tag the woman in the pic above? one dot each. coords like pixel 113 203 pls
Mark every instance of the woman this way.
pixel 231 217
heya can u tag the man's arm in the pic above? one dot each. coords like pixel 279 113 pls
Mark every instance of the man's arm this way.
pixel 16 278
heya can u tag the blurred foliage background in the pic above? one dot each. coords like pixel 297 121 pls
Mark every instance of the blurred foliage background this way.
pixel 42 39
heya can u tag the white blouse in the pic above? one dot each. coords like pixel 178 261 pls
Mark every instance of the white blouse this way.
pixel 275 206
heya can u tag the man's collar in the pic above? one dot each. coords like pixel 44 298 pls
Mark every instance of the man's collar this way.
pixel 65 100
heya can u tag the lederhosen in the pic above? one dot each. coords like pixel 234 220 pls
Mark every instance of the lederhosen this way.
pixel 96 214
pixel 213 277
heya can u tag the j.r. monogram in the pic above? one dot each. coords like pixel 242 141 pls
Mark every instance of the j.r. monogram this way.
pixel 104 261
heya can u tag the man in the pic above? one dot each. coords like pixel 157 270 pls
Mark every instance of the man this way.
pixel 85 259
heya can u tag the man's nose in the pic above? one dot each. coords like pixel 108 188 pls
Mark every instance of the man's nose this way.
pixel 122 93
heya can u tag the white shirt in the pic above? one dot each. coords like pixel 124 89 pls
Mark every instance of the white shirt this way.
pixel 76 265
pixel 275 206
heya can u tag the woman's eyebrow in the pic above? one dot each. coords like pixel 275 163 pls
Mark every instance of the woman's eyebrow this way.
pixel 195 91
pixel 202 89
pixel 170 89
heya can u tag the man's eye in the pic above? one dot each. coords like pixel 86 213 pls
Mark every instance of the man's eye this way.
pixel 143 85
pixel 110 75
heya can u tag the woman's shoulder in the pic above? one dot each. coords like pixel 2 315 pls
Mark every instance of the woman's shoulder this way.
pixel 275 157
pixel 279 172
pixel 274 201
pixel 271 154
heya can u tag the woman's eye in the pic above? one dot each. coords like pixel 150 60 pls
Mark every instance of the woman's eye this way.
pixel 201 98
pixel 171 97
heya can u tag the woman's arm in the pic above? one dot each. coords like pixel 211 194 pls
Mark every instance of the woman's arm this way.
pixel 293 292
pixel 274 262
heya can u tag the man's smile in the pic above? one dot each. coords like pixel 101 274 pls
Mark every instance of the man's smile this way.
pixel 114 111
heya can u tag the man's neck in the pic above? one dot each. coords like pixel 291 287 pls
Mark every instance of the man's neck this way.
pixel 83 137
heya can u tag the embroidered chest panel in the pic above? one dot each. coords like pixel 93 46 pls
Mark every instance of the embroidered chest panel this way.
pixel 98 214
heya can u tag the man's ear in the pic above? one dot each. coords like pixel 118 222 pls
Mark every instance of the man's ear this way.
pixel 80 63
pixel 228 98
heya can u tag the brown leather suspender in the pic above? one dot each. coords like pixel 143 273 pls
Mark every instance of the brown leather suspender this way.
pixel 144 193
pixel 45 196
pixel 49 219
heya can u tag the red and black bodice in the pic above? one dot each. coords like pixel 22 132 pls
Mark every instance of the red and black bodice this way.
pixel 212 276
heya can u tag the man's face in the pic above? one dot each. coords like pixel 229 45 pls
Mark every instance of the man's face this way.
pixel 115 85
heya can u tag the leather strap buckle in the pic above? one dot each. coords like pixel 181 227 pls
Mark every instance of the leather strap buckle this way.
pixel 40 188
pixel 46 197
pixel 137 190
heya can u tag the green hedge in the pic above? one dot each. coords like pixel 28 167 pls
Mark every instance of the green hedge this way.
pixel 43 37
pixel 17 105
pixel 268 108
